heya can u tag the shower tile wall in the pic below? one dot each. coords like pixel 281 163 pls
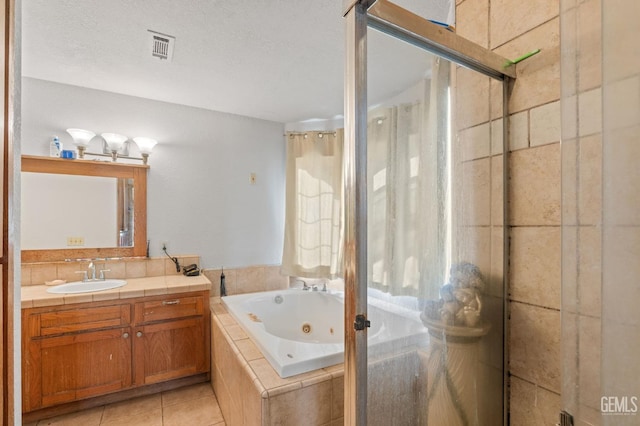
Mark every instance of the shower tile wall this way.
pixel 621 205
pixel 512 28
pixel 582 208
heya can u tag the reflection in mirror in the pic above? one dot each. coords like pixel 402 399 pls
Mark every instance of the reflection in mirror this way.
pixel 61 211
pixel 75 209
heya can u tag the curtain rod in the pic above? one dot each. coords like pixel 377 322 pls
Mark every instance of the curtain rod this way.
pixel 290 134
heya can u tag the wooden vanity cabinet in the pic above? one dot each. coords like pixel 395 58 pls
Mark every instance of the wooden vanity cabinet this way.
pixel 169 338
pixel 74 352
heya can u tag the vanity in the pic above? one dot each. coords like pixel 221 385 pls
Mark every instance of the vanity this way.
pixel 154 330
pixel 93 348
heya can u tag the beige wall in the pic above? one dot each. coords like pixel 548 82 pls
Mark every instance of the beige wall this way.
pixel 513 28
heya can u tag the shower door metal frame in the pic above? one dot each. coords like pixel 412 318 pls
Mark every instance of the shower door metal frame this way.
pixel 397 22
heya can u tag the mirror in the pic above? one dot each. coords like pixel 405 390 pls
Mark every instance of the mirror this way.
pixel 73 209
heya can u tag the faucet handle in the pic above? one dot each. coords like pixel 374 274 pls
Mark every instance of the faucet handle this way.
pixel 102 271
pixel 85 277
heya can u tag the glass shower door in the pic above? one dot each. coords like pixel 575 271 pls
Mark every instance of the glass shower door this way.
pixel 431 257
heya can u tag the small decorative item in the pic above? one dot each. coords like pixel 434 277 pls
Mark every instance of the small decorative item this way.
pixel 460 302
pixel 456 328
pixel 68 154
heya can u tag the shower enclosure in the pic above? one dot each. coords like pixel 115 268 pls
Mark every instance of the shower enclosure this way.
pixel 425 169
pixel 601 211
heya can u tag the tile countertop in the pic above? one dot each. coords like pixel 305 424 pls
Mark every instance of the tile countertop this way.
pixel 36 296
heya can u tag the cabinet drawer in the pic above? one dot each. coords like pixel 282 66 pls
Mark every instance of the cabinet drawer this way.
pixel 80 319
pixel 169 308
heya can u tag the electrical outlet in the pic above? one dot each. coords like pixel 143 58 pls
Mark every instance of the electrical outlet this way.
pixel 75 241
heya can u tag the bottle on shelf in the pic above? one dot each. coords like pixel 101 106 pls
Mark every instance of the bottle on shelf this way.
pixel 55 147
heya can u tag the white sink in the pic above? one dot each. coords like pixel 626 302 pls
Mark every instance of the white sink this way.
pixel 86 286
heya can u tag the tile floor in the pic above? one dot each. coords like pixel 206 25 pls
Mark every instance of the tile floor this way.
pixel 194 405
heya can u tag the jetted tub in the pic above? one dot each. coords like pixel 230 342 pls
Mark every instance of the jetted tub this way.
pixel 299 331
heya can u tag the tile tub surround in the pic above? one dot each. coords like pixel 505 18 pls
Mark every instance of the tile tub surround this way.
pixel 248 279
pixel 250 392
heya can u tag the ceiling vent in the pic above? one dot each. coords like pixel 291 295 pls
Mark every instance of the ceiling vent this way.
pixel 161 45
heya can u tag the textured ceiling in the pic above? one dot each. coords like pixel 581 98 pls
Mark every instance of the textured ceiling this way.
pixel 279 60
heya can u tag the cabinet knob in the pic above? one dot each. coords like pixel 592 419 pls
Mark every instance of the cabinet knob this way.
pixel 139 334
pixel 125 335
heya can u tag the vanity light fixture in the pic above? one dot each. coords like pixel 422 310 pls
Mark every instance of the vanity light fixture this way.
pixel 114 145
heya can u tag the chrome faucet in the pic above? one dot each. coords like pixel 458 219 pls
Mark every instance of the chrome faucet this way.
pixel 313 287
pixel 92 271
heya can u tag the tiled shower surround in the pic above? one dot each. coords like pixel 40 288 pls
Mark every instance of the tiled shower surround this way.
pixel 512 28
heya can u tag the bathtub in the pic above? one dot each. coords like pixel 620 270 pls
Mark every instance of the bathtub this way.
pixel 299 331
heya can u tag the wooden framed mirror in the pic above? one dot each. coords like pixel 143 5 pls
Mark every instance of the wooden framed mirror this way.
pixel 105 214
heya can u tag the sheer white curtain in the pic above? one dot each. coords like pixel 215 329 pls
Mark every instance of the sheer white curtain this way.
pixel 407 184
pixel 313 237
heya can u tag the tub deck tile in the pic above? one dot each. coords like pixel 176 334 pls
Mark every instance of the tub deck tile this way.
pixel 236 332
pixel 336 371
pixel 317 379
pixel 216 306
pixel 291 387
pixel 226 319
pixel 248 349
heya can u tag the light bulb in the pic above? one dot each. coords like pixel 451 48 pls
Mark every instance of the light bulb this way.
pixel 81 137
pixel 114 142
pixel 145 145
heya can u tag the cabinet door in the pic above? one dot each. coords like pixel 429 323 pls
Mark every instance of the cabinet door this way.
pixel 78 366
pixel 169 350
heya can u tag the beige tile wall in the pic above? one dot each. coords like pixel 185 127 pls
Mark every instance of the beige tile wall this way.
pixel 247 280
pixel 512 28
pixel 39 273
pixel 582 149
pixel 237 280
pixel 620 321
